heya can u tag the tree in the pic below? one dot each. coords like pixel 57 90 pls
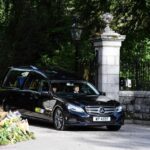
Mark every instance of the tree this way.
pixel 33 29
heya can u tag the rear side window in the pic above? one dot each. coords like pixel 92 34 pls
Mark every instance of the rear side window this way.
pixel 15 79
pixel 33 82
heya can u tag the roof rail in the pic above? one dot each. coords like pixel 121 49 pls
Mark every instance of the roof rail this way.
pixel 34 67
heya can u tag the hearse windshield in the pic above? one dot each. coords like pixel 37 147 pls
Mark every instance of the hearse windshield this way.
pixel 73 88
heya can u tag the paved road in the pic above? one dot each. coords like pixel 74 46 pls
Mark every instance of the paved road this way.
pixel 130 137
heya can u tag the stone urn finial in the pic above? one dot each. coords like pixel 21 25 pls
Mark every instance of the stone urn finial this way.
pixel 107 18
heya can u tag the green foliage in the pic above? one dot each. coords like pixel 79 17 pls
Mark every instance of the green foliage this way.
pixel 86 53
pixel 63 57
pixel 38 31
pixel 2 16
pixel 130 15
pixel 132 18
pixel 31 28
pixel 136 49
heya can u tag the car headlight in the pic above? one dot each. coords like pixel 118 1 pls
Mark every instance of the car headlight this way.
pixel 74 108
pixel 119 109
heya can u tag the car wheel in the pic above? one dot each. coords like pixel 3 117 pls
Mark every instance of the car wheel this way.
pixel 5 106
pixel 59 119
pixel 114 127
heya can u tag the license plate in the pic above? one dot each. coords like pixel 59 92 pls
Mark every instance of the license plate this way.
pixel 101 119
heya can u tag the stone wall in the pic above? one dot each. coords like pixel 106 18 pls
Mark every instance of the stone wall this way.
pixel 136 104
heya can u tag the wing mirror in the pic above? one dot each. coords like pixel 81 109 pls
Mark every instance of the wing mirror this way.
pixel 102 93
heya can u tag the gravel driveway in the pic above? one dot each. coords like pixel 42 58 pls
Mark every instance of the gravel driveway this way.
pixel 130 137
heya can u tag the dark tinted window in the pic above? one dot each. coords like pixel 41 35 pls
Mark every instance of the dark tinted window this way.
pixel 44 86
pixel 73 87
pixel 33 82
pixel 15 79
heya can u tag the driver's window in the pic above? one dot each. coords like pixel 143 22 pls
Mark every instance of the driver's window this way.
pixel 87 90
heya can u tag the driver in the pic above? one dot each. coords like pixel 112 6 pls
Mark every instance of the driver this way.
pixel 76 89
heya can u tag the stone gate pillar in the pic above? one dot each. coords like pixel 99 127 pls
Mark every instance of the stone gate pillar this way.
pixel 108 46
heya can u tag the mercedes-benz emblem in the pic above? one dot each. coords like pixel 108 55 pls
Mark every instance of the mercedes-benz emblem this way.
pixel 101 110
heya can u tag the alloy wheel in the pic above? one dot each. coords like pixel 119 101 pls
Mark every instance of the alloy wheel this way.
pixel 59 119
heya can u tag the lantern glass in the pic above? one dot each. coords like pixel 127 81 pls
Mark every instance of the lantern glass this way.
pixel 76 32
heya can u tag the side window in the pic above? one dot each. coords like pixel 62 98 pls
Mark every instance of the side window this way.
pixel 44 86
pixel 33 82
pixel 86 89
pixel 16 79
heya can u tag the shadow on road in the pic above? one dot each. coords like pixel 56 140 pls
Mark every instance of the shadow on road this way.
pixel 76 129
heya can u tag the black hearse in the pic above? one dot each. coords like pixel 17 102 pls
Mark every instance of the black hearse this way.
pixel 53 96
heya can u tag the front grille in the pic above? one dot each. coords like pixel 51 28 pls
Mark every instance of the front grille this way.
pixel 96 110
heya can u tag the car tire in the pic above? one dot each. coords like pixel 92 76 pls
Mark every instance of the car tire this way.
pixel 58 119
pixel 5 106
pixel 114 127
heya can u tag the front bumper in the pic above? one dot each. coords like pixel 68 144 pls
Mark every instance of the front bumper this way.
pixel 75 119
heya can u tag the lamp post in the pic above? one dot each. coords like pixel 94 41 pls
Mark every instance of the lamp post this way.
pixel 76 32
